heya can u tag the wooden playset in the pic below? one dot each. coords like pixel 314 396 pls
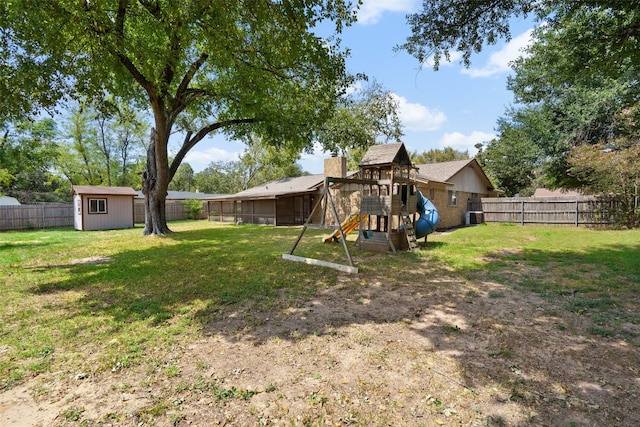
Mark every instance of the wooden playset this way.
pixel 386 214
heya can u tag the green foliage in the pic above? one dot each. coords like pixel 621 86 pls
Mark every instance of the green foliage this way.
pixel 218 178
pixel 579 73
pixel 569 90
pixel 362 118
pixel 436 155
pixel 200 66
pixel 511 162
pixel 613 169
pixel 443 27
pixel 259 163
pixel 28 150
pixel 262 162
pixel 103 144
pixel 183 179
pixel 601 32
pixel 194 208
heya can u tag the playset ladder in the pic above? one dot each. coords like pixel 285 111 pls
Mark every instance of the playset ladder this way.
pixel 409 232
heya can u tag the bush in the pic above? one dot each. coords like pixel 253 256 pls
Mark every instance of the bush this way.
pixel 194 208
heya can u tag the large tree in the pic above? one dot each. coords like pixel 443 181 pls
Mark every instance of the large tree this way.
pixel 259 163
pixel 511 161
pixel 201 66
pixel 103 145
pixel 566 98
pixel 366 116
pixel 27 152
pixel 580 71
pixel 443 27
pixel 436 155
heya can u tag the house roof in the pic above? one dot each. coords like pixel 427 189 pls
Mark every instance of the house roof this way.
pixel 280 187
pixel 385 154
pixel 445 171
pixel 94 190
pixel 8 201
pixel 184 195
pixel 442 171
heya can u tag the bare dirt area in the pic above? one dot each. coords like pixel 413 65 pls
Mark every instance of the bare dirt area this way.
pixel 368 351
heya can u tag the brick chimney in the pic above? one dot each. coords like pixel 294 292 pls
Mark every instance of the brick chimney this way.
pixel 335 167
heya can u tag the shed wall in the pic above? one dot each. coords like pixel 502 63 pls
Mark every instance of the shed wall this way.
pixel 119 213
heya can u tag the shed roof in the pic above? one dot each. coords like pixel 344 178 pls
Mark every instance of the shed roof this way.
pixel 9 201
pixel 94 190
pixel 385 154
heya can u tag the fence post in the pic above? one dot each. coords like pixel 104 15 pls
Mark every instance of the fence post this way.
pixel 43 217
pixel 522 212
pixel 577 212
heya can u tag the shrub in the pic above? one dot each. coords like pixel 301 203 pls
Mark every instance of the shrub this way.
pixel 194 208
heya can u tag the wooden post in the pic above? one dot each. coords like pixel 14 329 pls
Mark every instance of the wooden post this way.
pixel 577 212
pixel 522 212
pixel 326 200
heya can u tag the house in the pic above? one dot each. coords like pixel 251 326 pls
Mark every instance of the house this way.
pixel 285 201
pixel 289 201
pixel 102 208
pixel 449 185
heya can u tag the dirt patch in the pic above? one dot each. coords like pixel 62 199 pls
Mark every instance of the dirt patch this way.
pixel 368 351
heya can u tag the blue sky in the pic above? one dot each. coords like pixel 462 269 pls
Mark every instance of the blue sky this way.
pixel 452 107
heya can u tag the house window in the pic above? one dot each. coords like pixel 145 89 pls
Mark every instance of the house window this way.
pixel 452 198
pixel 97 206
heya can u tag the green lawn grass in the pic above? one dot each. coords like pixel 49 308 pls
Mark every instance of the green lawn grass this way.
pixel 61 315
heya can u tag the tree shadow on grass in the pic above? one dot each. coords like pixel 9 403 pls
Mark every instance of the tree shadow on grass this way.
pixel 537 356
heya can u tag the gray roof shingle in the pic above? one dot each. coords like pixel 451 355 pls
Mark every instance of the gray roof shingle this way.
pixel 442 171
pixel 96 190
pixel 280 187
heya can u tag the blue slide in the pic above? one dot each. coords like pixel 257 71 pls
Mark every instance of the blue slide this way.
pixel 429 216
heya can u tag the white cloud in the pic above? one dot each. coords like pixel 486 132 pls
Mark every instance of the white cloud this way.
pixel 417 117
pixel 461 142
pixel 200 159
pixel 371 11
pixel 499 61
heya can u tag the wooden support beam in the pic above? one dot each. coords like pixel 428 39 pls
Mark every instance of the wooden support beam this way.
pixel 312 261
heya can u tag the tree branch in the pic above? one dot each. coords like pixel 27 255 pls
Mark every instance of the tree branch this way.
pixel 185 95
pixel 190 142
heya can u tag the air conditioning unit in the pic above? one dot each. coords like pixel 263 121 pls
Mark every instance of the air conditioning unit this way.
pixel 473 217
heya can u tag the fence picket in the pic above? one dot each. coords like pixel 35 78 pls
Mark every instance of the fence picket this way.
pixel 60 215
pixel 574 210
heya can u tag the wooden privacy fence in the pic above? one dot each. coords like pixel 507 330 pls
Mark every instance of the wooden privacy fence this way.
pixel 174 210
pixel 54 215
pixel 574 210
pixel 24 217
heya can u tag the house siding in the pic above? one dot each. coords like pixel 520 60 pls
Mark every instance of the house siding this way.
pixel 119 213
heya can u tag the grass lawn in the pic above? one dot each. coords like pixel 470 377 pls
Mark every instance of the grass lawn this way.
pixel 78 304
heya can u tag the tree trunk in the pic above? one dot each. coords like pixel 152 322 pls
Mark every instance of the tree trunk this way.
pixel 155 194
